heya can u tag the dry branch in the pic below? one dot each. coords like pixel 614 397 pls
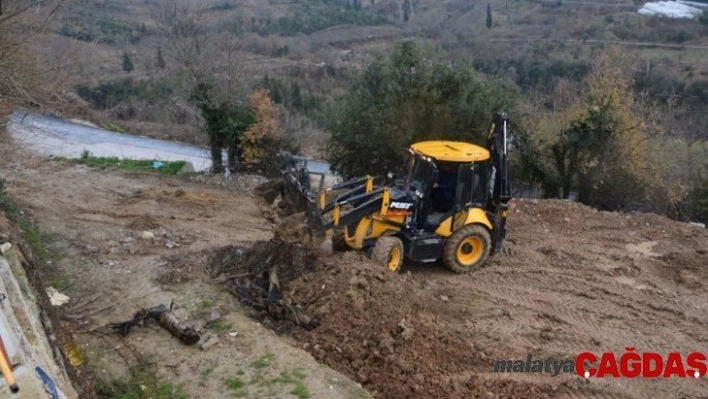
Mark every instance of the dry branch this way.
pixel 264 294
pixel 165 317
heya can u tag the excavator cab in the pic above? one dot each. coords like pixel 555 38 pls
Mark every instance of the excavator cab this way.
pixel 450 204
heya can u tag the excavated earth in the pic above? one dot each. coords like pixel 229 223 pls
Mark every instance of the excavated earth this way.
pixel 570 280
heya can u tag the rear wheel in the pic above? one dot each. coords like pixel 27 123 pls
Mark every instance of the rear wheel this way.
pixel 388 251
pixel 467 248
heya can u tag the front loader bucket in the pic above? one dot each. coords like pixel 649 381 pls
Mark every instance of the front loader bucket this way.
pixel 299 229
pixel 303 223
pixel 269 190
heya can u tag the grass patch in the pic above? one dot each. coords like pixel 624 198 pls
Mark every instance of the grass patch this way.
pixel 206 372
pixel 32 237
pixel 283 378
pixel 207 303
pixel 219 326
pixel 112 127
pixel 168 167
pixel 241 393
pixel 287 378
pixel 60 282
pixel 263 361
pixel 235 383
pixel 301 391
pixel 297 373
pixel 143 383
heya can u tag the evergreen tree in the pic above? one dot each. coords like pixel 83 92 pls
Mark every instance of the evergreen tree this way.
pixel 489 16
pixel 160 59
pixel 704 18
pixel 295 95
pixel 415 94
pixel 127 63
pixel 275 95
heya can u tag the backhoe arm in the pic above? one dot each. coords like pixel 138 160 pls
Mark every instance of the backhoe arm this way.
pixel 500 185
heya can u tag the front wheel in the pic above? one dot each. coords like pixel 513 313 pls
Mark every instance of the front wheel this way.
pixel 467 248
pixel 339 244
pixel 388 251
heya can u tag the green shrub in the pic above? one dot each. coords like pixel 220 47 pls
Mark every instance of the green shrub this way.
pixel 314 15
pixel 107 95
pixel 697 203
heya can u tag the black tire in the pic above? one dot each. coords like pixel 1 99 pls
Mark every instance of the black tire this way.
pixel 389 252
pixel 338 243
pixel 467 248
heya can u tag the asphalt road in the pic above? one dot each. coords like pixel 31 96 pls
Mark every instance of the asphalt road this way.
pixel 54 136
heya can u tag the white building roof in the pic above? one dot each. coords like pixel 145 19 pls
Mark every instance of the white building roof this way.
pixel 673 9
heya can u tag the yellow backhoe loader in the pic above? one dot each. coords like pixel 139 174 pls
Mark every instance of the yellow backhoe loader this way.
pixel 450 204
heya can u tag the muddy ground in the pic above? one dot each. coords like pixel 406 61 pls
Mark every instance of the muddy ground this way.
pixel 570 280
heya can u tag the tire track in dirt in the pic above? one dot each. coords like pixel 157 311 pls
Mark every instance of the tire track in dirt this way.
pixel 563 287
pixel 573 307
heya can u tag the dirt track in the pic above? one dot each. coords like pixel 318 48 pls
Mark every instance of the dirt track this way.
pixel 94 222
pixel 570 280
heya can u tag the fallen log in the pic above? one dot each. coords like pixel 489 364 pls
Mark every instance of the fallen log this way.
pixel 167 320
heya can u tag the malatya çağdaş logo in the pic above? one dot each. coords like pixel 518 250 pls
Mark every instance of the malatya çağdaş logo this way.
pixel 630 364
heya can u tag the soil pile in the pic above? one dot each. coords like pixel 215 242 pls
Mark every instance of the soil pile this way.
pixel 371 324
pixel 570 279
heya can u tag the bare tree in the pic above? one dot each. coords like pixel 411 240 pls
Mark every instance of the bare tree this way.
pixel 24 78
pixel 204 55
pixel 210 65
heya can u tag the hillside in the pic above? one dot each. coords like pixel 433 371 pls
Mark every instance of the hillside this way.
pixel 321 44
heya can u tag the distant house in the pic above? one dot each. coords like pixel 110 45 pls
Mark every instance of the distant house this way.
pixel 674 9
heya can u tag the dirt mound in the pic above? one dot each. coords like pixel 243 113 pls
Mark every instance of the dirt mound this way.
pixel 371 329
pixel 239 262
pixel 687 270
pixel 371 324
pixel 144 222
